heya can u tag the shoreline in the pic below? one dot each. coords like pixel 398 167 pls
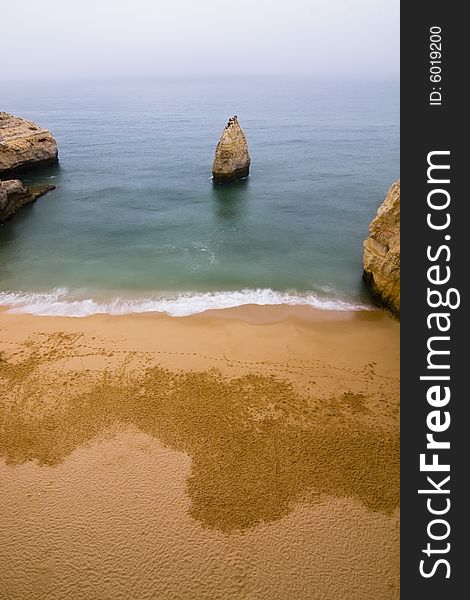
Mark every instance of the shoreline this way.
pixel 255 446
pixel 63 302
pixel 282 333
pixel 249 311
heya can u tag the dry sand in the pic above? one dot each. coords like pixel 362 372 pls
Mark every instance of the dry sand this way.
pixel 246 453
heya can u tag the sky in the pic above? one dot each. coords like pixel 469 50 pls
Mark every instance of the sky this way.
pixel 109 39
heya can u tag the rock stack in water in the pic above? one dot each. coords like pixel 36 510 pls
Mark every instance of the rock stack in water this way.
pixel 232 160
pixel 382 253
pixel 23 146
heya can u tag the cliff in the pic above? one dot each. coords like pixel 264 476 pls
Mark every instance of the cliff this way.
pixel 382 253
pixel 14 195
pixel 232 160
pixel 24 145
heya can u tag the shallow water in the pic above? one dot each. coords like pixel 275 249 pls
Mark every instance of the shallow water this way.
pixel 135 214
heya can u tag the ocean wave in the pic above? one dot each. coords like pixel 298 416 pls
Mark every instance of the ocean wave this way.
pixel 61 302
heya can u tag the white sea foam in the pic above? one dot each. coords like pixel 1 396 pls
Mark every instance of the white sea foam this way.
pixel 62 302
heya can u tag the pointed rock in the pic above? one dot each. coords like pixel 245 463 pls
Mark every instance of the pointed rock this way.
pixel 14 195
pixel 382 253
pixel 24 145
pixel 232 160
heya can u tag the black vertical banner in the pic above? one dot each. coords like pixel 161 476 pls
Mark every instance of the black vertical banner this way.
pixel 435 252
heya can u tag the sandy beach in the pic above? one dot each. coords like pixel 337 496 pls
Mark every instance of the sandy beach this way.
pixel 244 453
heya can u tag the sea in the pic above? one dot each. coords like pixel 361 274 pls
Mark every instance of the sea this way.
pixel 135 223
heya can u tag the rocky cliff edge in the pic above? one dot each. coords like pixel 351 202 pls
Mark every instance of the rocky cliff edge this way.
pixel 24 145
pixel 382 253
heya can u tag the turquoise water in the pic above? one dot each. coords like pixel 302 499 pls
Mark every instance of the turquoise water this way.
pixel 136 224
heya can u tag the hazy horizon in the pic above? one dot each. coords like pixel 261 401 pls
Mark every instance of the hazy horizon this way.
pixel 143 39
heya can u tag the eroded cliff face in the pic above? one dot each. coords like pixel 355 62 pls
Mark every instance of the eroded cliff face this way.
pixel 14 195
pixel 24 145
pixel 382 253
pixel 232 160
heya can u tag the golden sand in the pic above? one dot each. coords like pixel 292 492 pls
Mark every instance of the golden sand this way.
pixel 249 453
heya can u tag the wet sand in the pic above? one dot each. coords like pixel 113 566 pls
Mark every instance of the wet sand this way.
pixel 245 453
